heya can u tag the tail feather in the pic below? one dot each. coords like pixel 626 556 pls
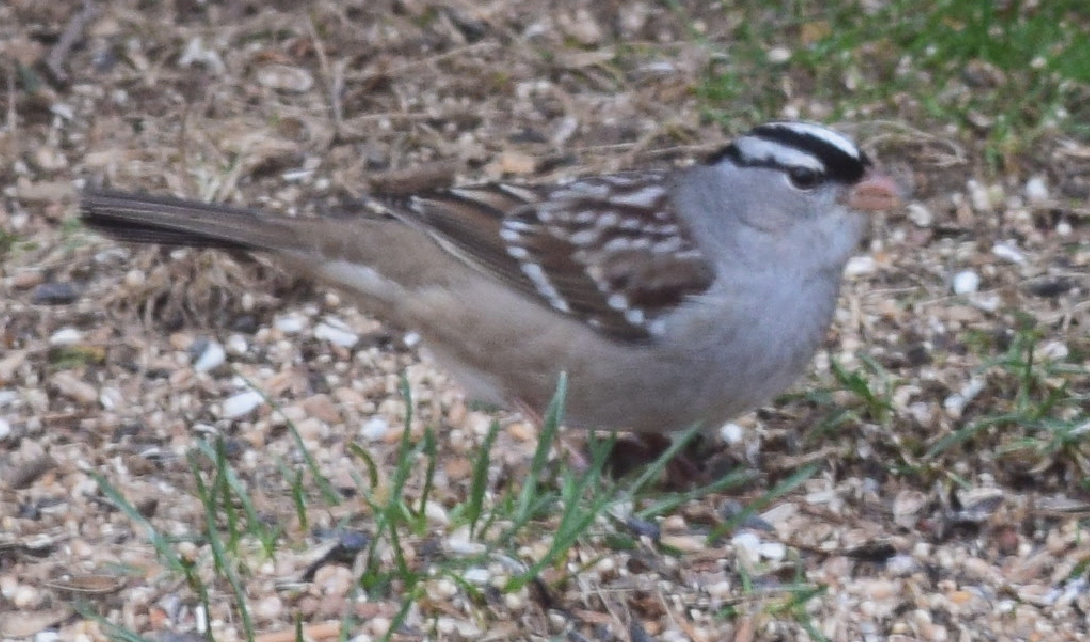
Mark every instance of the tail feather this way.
pixel 345 252
pixel 145 218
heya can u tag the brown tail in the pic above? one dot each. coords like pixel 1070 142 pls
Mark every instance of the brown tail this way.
pixel 144 218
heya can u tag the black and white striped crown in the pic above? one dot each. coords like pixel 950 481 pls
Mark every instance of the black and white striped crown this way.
pixel 798 145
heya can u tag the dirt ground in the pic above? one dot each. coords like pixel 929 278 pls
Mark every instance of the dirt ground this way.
pixel 118 359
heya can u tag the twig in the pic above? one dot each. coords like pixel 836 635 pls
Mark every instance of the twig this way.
pixel 13 115
pixel 333 78
pixel 72 32
pixel 453 53
pixel 316 631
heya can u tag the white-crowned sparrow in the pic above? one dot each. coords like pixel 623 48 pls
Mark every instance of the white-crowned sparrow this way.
pixel 669 297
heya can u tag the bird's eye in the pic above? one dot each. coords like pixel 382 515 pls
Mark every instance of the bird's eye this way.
pixel 805 178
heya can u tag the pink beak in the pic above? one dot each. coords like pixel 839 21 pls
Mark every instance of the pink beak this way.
pixel 876 192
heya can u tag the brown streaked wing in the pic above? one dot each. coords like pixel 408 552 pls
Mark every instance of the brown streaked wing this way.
pixel 610 271
pixel 654 281
pixel 467 223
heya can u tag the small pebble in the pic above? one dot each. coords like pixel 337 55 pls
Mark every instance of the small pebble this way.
pixel 284 78
pixel 236 344
pixel 241 404
pixel 460 543
pixel 42 192
pixel 632 17
pixel 48 158
pixel 965 282
pixel 26 597
pixel 979 197
pixel 246 324
pixel 5 429
pixel 269 608
pixel 436 514
pixel 920 215
pixel 54 294
pixel 732 508
pixel 955 403
pixel 987 303
pixel 111 398
pixel 564 129
pixel 375 428
pixel 7 397
pixel 583 28
pixel 747 546
pixel 446 588
pixel 337 334
pixel 8 585
pixel 860 265
pixel 467 549
pixel 478 576
pixel 878 589
pixel 907 505
pixel 290 323
pixel 181 341
pixel 1054 351
pixel 1009 251
pixel 135 278
pixel 720 590
pixel 732 433
pixel 779 54
pixel 322 407
pixel 63 110
pixel 200 617
pixel 1037 191
pixel 643 528
pixel 26 279
pixel 333 579
pixel 468 630
pixel 517 163
pixel 196 52
pixel 66 337
pixel 379 626
pixel 902 565
pixel 772 517
pixel 211 358
pixel 774 551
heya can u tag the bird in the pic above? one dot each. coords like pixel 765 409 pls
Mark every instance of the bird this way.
pixel 668 297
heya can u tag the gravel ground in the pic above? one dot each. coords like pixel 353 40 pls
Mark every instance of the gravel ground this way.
pixel 119 359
